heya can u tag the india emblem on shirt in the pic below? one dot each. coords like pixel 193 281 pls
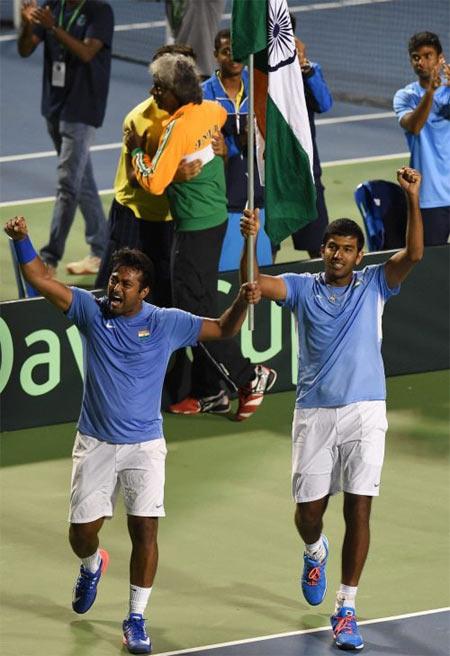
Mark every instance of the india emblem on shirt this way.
pixel 143 333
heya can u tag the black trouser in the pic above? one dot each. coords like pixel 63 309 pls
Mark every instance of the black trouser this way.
pixel 154 238
pixel 436 225
pixel 194 267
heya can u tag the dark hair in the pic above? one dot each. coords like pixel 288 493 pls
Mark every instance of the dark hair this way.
pixel 424 39
pixel 179 74
pixel 221 34
pixel 344 228
pixel 135 259
pixel 175 49
pixel 293 21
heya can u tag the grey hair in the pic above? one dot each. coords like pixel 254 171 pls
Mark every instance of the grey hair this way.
pixel 179 74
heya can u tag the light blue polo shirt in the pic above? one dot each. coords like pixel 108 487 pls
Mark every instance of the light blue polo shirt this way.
pixel 125 361
pixel 340 334
pixel 430 149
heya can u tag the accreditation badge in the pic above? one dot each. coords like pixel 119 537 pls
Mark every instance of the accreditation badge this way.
pixel 58 74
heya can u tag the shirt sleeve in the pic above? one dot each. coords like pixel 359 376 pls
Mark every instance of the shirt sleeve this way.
pixel 83 308
pixel 156 175
pixel 101 25
pixel 295 283
pixel 377 274
pixel 183 328
pixel 404 103
pixel 319 89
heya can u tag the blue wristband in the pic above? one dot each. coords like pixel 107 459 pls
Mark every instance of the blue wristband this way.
pixel 24 250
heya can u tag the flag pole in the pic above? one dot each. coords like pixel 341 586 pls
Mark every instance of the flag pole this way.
pixel 250 181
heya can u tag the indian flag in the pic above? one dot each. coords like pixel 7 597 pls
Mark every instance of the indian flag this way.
pixel 263 27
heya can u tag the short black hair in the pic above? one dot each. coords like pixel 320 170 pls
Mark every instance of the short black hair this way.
pixel 344 228
pixel 221 34
pixel 135 259
pixel 424 39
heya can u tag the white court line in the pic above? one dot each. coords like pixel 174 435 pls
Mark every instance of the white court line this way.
pixel 363 160
pixel 321 121
pixel 52 153
pixel 44 199
pixel 298 633
pixel 337 162
pixel 354 117
pixel 317 6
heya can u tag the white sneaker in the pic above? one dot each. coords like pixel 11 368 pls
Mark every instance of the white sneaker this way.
pixel 89 265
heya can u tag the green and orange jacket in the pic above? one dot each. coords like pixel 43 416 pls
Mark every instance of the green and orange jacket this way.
pixel 199 203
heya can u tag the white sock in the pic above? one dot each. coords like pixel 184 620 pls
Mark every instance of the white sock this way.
pixel 316 550
pixel 92 563
pixel 345 596
pixel 139 599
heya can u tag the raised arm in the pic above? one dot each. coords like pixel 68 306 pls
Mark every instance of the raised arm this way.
pixel 415 120
pixel 270 286
pixel 401 263
pixel 85 50
pixel 27 40
pixel 33 268
pixel 232 319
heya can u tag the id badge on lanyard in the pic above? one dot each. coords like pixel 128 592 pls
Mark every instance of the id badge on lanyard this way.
pixel 59 67
pixel 58 73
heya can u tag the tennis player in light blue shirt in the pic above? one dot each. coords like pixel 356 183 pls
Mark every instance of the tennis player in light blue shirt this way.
pixel 120 442
pixel 423 111
pixel 339 421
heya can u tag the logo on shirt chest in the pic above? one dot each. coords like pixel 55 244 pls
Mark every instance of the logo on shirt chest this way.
pixel 143 334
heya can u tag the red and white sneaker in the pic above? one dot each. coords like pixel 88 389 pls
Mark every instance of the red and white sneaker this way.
pixel 251 396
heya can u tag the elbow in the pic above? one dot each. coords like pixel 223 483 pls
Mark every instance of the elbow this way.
pixel 416 256
pixel 86 57
pixel 23 52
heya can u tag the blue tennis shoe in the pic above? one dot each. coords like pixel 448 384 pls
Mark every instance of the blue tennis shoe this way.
pixel 135 636
pixel 345 630
pixel 85 590
pixel 314 579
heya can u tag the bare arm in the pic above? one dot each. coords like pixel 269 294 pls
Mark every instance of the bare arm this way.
pixel 27 41
pixel 415 120
pixel 400 264
pixel 232 319
pixel 270 286
pixel 35 271
pixel 84 50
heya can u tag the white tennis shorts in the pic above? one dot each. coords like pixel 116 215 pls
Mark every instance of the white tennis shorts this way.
pixel 337 449
pixel 100 469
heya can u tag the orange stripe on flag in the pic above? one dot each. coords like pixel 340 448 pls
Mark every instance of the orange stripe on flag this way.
pixel 260 87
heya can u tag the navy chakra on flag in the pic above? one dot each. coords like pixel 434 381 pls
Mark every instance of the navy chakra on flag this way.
pixel 280 37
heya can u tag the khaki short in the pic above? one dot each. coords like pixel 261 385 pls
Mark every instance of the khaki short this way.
pixel 100 469
pixel 337 449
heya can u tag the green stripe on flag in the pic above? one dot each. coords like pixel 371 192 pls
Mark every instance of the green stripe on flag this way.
pixel 290 194
pixel 248 28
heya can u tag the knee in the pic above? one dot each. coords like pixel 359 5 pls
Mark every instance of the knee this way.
pixel 80 534
pixel 357 509
pixel 307 515
pixel 143 530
